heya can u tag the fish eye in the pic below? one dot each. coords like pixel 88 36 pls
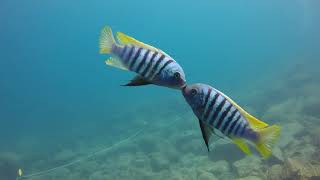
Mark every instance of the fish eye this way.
pixel 194 92
pixel 177 75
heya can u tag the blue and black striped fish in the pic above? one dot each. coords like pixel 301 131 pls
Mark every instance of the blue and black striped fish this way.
pixel 152 65
pixel 217 112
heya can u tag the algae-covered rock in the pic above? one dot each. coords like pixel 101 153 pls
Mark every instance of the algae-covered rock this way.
pixel 299 169
pixel 206 176
pixel 289 130
pixel 287 111
pixel 315 138
pixel 249 166
pixel 300 149
pixel 219 167
pixel 275 172
pixel 251 178
pixel 277 155
pixel 159 162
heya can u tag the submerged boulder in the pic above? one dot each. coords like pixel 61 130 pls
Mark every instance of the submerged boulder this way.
pixel 249 166
pixel 204 175
pixel 275 172
pixel 294 169
pixel 298 169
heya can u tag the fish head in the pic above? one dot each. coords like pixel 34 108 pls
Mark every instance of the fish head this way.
pixel 195 96
pixel 172 77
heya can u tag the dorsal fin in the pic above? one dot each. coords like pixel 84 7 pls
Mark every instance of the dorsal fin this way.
pixel 254 122
pixel 125 39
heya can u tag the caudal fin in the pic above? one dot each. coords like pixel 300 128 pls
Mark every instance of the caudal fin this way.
pixel 106 40
pixel 268 137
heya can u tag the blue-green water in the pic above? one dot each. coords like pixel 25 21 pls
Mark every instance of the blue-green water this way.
pixel 59 101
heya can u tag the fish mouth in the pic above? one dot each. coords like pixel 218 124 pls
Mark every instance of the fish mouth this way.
pixel 183 87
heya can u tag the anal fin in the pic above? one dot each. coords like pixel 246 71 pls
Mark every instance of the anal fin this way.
pixel 137 81
pixel 242 145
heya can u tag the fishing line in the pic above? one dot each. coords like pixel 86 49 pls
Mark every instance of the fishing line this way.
pixel 45 172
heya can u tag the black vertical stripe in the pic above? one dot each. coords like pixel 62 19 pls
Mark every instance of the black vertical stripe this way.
pixel 155 67
pixel 126 59
pixel 233 124
pixel 149 64
pixel 223 115
pixel 243 129
pixel 135 58
pixel 165 64
pixel 229 120
pixel 207 98
pixel 237 129
pixel 143 60
pixel 123 51
pixel 216 113
pixel 213 101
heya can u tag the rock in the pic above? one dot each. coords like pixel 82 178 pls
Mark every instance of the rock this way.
pixel 275 172
pixel 251 178
pixel 287 111
pixel 249 166
pixel 206 176
pixel 220 167
pixel 298 169
pixel 289 131
pixel 159 162
pixel 277 156
pixel 300 149
pixel 315 139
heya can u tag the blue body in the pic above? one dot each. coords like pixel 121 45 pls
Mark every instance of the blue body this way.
pixel 215 110
pixel 154 66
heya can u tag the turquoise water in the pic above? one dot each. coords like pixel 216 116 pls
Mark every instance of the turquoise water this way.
pixel 60 102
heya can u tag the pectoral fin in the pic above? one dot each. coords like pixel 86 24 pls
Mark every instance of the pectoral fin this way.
pixel 115 62
pixel 206 133
pixel 138 81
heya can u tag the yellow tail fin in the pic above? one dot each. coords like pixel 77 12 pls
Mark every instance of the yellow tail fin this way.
pixel 106 40
pixel 268 137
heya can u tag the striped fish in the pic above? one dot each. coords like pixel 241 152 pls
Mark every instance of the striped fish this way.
pixel 216 112
pixel 152 65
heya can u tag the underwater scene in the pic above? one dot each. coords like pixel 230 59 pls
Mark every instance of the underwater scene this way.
pixel 87 94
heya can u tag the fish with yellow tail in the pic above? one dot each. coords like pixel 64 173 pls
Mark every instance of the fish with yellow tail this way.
pixel 216 112
pixel 152 65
